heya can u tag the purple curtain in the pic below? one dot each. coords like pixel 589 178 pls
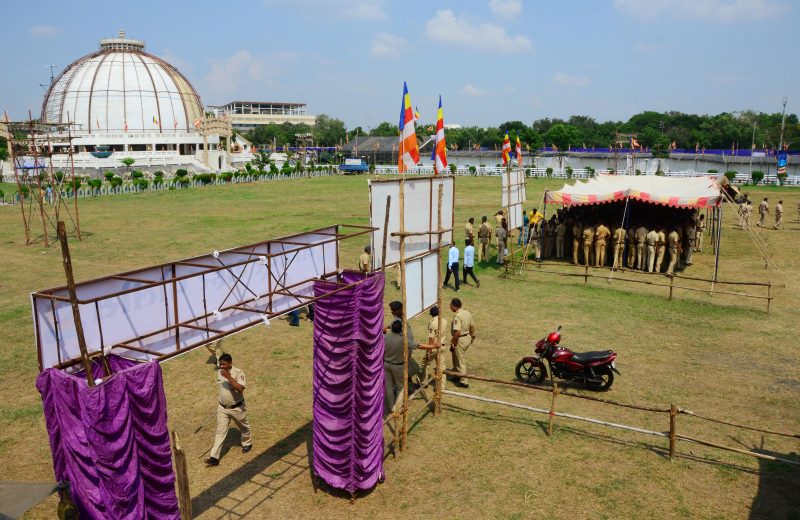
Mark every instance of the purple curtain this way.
pixel 348 383
pixel 111 442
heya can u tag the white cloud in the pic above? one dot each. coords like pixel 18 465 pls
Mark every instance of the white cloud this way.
pixel 44 30
pixel 385 45
pixel 358 9
pixel 227 77
pixel 565 80
pixel 445 27
pixel 719 11
pixel 507 9
pixel 472 91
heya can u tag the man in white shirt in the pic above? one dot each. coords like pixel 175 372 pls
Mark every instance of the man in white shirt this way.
pixel 469 262
pixel 452 265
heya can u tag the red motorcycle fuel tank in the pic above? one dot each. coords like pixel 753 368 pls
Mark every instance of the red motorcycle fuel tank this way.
pixel 561 355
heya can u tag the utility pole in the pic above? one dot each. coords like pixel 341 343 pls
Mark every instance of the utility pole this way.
pixel 783 121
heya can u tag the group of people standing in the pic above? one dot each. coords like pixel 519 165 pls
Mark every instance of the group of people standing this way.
pixel 746 210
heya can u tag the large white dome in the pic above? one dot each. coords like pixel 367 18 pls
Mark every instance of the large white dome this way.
pixel 121 88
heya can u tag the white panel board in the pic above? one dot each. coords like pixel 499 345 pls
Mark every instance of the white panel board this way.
pixel 202 295
pixel 421 283
pixel 420 201
pixel 513 196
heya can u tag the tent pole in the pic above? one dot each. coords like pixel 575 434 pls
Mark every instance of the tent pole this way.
pixel 73 299
pixel 719 235
pixel 614 252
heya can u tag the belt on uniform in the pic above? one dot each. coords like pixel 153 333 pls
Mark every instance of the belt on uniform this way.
pixel 231 407
pixel 398 364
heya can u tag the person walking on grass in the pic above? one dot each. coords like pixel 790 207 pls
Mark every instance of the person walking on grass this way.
pixel 763 210
pixel 469 262
pixel 462 335
pixel 452 265
pixel 778 215
pixel 484 235
pixel 231 407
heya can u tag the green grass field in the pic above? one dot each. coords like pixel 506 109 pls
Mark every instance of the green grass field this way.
pixel 722 356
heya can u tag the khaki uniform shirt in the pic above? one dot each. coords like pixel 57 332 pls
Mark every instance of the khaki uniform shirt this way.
pixel 588 235
pixel 779 209
pixel 641 234
pixel 652 238
pixel 499 220
pixel 763 207
pixel 576 232
pixel 227 395
pixel 485 231
pixel 469 231
pixel 462 323
pixel 561 230
pixel 433 330
pixel 674 239
pixel 631 236
pixel 364 262
pixel 619 236
pixel 602 234
pixel 662 239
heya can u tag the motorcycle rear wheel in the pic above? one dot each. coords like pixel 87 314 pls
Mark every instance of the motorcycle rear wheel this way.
pixel 529 373
pixel 606 376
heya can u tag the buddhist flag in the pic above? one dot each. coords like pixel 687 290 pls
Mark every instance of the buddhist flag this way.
pixel 439 155
pixel 409 150
pixel 155 121
pixel 519 152
pixel 126 126
pixel 175 124
pixel 198 123
pixel 416 114
pixel 506 150
pixel 634 143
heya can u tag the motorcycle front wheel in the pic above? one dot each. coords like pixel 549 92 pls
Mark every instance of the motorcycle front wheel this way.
pixel 606 376
pixel 530 373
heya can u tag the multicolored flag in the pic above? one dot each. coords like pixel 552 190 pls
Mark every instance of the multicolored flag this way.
pixel 634 143
pixel 198 123
pixel 506 150
pixel 519 152
pixel 155 121
pixel 126 125
pixel 416 114
pixel 409 149
pixel 783 160
pixel 439 155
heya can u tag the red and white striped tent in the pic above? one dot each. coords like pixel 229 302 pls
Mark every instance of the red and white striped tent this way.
pixel 682 192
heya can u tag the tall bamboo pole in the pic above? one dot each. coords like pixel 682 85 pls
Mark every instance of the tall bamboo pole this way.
pixel 404 428
pixel 385 235
pixel 73 298
pixel 437 392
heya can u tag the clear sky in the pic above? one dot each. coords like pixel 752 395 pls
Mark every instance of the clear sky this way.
pixel 492 60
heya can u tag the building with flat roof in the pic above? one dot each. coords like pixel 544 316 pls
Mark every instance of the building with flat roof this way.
pixel 246 115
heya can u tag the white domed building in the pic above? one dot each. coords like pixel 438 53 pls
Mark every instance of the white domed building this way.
pixel 123 102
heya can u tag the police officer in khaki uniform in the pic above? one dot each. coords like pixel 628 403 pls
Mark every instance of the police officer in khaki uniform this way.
pixel 231 407
pixel 763 210
pixel 535 242
pixel 561 232
pixel 661 247
pixel 618 244
pixel 641 237
pixel 365 260
pixel 577 233
pixel 778 215
pixel 601 235
pixel 436 336
pixel 698 236
pixel 393 363
pixel 674 242
pixel 651 239
pixel 469 230
pixel 484 235
pixel 588 240
pixel 462 334
pixel 631 240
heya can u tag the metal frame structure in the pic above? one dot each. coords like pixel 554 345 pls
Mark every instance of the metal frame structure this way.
pixel 245 307
pixel 31 147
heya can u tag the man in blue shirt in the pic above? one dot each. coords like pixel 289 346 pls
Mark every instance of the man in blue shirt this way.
pixel 452 265
pixel 522 240
pixel 469 262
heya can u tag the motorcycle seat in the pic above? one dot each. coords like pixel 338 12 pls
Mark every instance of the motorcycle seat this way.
pixel 588 357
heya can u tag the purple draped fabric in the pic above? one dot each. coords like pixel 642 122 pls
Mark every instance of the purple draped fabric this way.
pixel 111 442
pixel 348 383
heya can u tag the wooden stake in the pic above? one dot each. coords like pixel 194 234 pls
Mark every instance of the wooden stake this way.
pixel 769 299
pixel 396 440
pixel 437 389
pixel 671 281
pixel 673 411
pixel 385 234
pixel 552 410
pixel 182 476
pixel 585 272
pixel 73 299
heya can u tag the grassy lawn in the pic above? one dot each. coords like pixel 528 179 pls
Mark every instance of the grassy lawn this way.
pixel 720 356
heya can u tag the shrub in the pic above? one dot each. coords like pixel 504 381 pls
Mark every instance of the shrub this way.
pixel 24 190
pixel 273 170
pixel 453 168
pixel 203 178
pixel 226 176
pixel 472 170
pixel 181 181
pixel 248 167
pixel 108 175
pixel 589 172
pixel 713 171
pixel 568 170
pixel 2 194
pixel 59 176
pixel 286 169
pixel 181 173
pixel 660 173
pixel 371 168
pixel 782 178
pixel 730 175
pixel 75 183
pixel 638 171
pixel 136 174
pixel 141 184
pixel 549 172
pixel 95 184
pixel 115 182
pixel 757 177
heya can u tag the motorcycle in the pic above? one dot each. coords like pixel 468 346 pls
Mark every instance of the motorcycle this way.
pixel 595 370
